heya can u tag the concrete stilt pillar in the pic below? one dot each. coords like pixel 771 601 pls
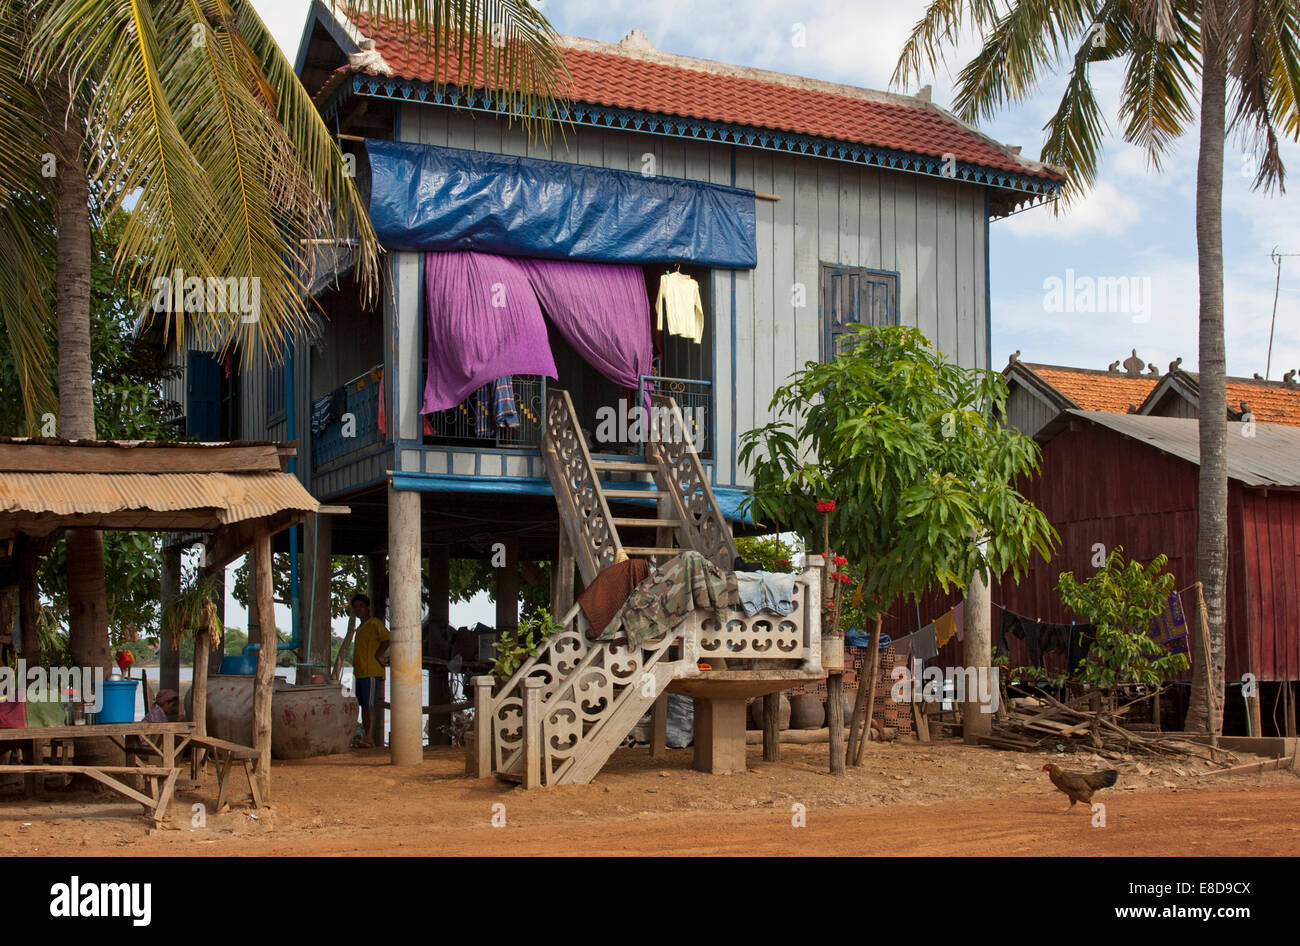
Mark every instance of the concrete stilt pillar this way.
pixel 977 654
pixel 405 666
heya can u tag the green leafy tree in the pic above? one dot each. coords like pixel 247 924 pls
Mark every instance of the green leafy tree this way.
pixel 770 551
pixel 912 451
pixel 1120 601
pixel 1247 53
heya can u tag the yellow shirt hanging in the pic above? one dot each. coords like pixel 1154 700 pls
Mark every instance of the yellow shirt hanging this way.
pixel 679 299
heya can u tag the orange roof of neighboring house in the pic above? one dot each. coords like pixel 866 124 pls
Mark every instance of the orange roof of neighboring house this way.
pixel 1270 403
pixel 607 75
pixel 1097 390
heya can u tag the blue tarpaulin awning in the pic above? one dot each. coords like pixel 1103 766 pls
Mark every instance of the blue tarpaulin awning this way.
pixel 426 198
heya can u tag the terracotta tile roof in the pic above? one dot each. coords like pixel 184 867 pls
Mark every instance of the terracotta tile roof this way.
pixel 1270 402
pixel 1097 390
pixel 714 92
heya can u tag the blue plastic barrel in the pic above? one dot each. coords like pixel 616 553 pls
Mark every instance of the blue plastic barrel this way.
pixel 240 664
pixel 119 701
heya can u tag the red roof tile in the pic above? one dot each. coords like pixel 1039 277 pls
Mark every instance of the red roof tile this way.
pixel 1097 390
pixel 623 81
pixel 1270 403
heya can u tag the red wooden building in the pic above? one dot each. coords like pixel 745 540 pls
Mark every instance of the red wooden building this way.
pixel 1131 480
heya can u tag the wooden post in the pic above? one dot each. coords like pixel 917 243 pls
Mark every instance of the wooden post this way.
pixel 865 702
pixel 318 575
pixel 835 719
pixel 977 654
pixel 264 682
pixel 532 732
pixel 483 725
pixel 407 740
pixel 483 722
pixel 507 587
pixel 199 685
pixel 169 658
pixel 659 728
pixel 772 727
pixel 564 566
pixel 1253 718
pixel 720 735
pixel 439 619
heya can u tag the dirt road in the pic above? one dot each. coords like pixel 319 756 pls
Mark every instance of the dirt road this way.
pixel 914 800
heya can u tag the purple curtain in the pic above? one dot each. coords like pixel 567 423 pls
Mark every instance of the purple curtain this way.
pixel 602 310
pixel 483 323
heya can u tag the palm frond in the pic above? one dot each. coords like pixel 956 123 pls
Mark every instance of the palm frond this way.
pixel 1262 80
pixel 1023 44
pixel 1075 130
pixel 1158 101
pixel 940 26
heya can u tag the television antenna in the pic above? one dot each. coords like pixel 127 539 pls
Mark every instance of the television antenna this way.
pixel 1277 258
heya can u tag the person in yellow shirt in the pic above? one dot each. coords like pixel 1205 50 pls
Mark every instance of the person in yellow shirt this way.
pixel 369 658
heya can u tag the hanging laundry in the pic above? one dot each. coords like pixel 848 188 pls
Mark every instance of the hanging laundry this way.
pixel 663 600
pixel 338 403
pixel 1170 627
pixel 771 591
pixel 1081 639
pixel 507 412
pixel 482 408
pixel 924 644
pixel 610 589
pixel 679 300
pixel 903 650
pixel 945 628
pixel 321 409
pixel 1010 625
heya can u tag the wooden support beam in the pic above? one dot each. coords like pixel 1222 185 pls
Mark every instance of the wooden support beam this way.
pixel 439 582
pixel 507 587
pixel 532 723
pixel 772 727
pixel 264 681
pixel 659 728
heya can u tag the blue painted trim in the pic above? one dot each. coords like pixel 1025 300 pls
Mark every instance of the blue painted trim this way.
pixel 318 13
pixel 402 90
pixel 450 483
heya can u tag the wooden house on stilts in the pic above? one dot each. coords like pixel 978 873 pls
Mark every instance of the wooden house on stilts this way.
pixel 498 380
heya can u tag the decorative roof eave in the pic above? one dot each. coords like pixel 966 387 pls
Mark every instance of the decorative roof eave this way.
pixel 1023 190
pixel 1019 371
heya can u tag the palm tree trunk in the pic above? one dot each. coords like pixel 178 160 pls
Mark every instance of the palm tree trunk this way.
pixel 1212 521
pixel 87 597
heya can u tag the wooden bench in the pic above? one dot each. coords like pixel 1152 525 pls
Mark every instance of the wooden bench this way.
pixel 161 781
pixel 226 755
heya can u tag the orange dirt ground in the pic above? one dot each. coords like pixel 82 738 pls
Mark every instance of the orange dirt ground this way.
pixel 939 799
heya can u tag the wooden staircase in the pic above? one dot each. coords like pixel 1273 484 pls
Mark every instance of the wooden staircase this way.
pixel 561 716
pixel 685 516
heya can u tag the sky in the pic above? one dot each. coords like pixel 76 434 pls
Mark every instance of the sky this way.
pixel 1136 225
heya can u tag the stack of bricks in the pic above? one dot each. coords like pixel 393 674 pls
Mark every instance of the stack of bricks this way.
pixel 884 710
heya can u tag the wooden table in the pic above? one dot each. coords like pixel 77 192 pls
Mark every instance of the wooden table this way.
pixel 163 740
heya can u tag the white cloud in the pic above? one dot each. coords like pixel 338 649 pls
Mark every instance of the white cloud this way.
pixel 1108 211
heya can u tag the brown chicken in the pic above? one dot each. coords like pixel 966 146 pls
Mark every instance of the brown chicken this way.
pixel 1079 786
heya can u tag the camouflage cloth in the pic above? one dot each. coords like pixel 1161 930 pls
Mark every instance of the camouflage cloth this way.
pixel 662 601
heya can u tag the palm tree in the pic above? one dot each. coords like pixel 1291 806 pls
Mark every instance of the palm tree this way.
pixel 187 113
pixel 1250 48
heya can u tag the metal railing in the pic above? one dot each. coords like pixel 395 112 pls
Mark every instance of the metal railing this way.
pixel 474 420
pixel 357 424
pixel 695 398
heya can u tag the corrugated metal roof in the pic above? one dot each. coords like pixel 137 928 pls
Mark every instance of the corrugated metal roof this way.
pixel 232 497
pixel 1269 457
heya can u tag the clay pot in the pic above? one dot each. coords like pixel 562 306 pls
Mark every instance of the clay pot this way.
pixel 783 715
pixel 807 712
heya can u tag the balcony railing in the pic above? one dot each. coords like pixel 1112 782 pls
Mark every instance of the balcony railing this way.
pixel 695 398
pixel 353 424
pixel 474 421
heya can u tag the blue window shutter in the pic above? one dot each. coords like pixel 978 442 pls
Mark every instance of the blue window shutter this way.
pixel 203 397
pixel 854 295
